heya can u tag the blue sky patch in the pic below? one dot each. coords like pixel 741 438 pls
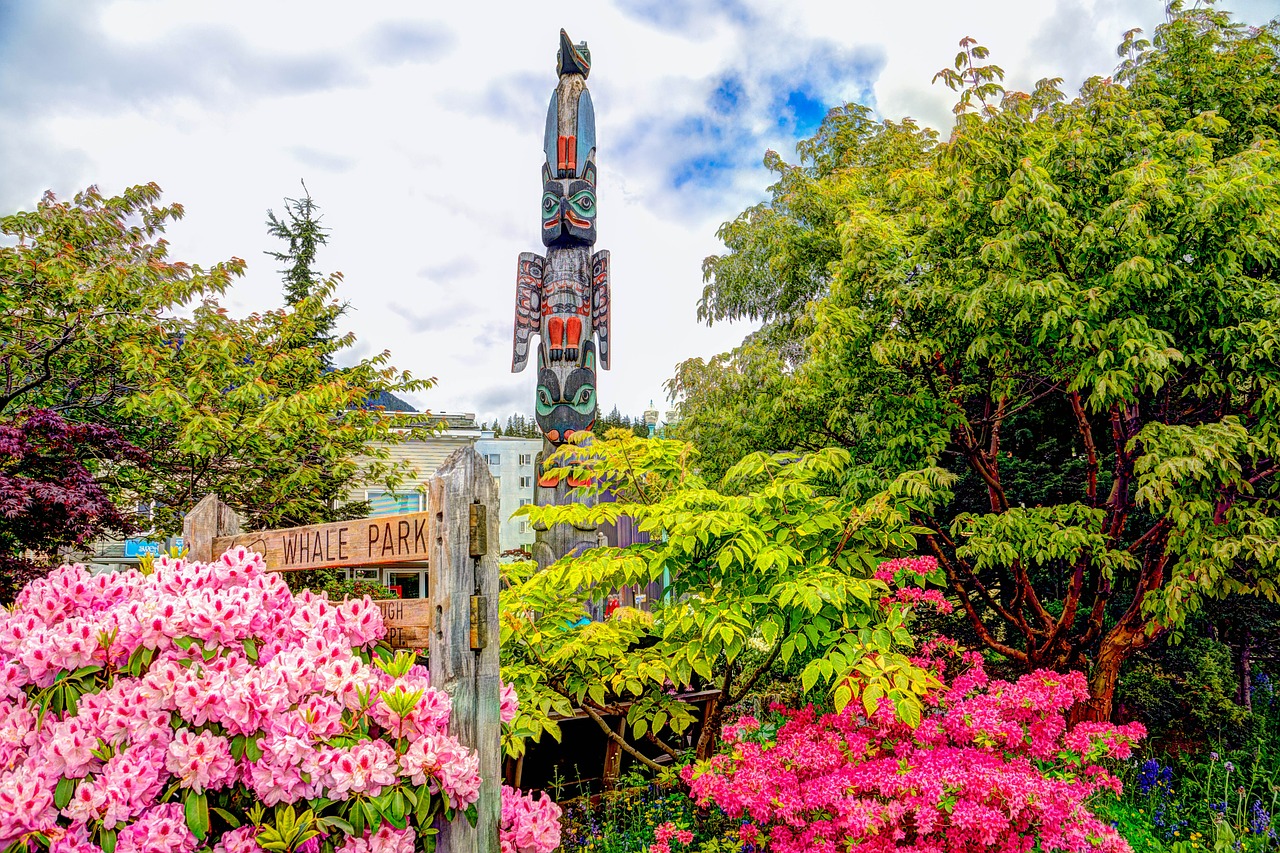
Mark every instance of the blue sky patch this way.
pixel 802 113
pixel 728 96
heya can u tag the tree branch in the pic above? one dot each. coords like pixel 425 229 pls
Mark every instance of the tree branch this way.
pixel 749 681
pixel 650 737
pixel 978 626
pixel 620 741
pixel 1091 450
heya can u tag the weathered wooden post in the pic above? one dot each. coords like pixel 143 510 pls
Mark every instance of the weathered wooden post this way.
pixel 464 638
pixel 208 520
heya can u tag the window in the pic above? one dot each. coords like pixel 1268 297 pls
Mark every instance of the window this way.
pixel 522 527
pixel 391 503
pixel 143 514
pixel 524 502
pixel 526 482
pixel 495 458
pixel 526 458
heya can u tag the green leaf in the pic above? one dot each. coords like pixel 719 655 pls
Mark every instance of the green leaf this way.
pixel 231 820
pixel 64 791
pixel 422 812
pixel 196 809
pixel 334 822
pixel 372 815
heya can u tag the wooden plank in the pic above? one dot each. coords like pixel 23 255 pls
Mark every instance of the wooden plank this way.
pixel 408 622
pixel 469 676
pixel 362 542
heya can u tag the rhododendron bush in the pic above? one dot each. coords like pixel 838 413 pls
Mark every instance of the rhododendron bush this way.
pixel 205 707
pixel 993 766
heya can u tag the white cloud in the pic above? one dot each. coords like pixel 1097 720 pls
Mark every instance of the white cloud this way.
pixel 418 130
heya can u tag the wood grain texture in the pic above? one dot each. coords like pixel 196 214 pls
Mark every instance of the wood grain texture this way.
pixel 470 677
pixel 208 520
pixel 362 542
pixel 408 622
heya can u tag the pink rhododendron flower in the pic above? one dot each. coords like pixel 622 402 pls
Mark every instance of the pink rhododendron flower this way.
pixel 73 840
pixel 221 679
pixel 200 762
pixel 238 841
pixel 160 829
pixel 390 840
pixel 528 825
pixel 667 832
pixel 509 703
pixel 362 769
pixel 26 803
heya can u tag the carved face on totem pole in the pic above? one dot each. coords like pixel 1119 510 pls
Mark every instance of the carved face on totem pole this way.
pixel 564 297
pixel 569 210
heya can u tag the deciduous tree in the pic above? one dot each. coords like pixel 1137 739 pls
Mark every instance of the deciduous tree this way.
pixel 778 564
pixel 99 325
pixel 1068 311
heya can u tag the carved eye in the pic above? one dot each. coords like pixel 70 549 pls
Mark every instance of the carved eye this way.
pixel 548 202
pixel 544 397
pixel 584 397
pixel 585 201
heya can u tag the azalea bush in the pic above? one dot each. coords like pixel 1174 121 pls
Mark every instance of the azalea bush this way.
pixel 993 765
pixel 205 707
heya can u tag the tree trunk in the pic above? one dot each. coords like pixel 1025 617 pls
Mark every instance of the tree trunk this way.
pixel 1246 671
pixel 1114 650
pixel 709 737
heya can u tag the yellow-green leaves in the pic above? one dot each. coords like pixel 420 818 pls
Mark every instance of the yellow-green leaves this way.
pixel 288 831
pixel 776 566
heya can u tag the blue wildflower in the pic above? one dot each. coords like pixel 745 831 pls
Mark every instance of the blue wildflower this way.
pixel 1260 820
pixel 1153 775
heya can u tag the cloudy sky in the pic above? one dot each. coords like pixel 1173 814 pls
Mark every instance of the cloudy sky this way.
pixel 418 129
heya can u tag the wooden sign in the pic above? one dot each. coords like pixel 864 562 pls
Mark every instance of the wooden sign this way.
pixel 362 542
pixel 457 624
pixel 408 622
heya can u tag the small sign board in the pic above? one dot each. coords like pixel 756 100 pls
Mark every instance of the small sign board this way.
pixel 361 542
pixel 138 547
pixel 408 622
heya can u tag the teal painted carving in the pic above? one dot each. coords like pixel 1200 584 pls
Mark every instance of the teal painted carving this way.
pixel 563 297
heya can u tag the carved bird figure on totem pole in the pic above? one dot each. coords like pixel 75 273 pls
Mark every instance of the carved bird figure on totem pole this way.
pixel 563 297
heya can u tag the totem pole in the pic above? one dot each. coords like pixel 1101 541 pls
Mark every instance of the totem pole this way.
pixel 563 297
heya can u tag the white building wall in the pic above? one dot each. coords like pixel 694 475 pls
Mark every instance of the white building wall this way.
pixel 511 461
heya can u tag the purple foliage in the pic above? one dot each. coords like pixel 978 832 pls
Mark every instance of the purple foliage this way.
pixel 50 496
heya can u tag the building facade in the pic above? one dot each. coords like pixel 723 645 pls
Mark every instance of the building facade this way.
pixel 512 461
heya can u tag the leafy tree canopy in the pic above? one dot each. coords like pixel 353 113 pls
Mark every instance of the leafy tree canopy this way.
pixel 49 495
pixel 1067 311
pixel 100 326
pixel 778 564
